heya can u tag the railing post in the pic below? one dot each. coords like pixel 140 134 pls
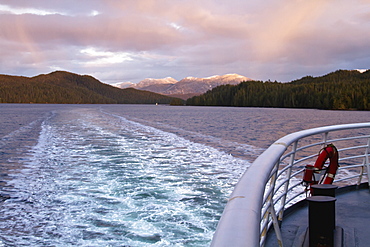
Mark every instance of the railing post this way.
pixel 286 186
pixel 276 226
pixel 366 161
pixel 271 210
pixel 325 139
pixel 365 165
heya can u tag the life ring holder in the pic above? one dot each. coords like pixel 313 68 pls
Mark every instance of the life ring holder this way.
pixel 312 173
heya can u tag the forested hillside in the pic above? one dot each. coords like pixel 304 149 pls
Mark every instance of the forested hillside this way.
pixel 342 89
pixel 68 88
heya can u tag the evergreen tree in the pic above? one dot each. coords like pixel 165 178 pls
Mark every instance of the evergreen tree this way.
pixel 338 90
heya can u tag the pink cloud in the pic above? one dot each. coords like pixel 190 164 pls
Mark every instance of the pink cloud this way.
pixel 179 38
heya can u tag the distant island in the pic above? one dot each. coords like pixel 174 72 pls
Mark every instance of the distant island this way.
pixel 340 90
pixel 62 87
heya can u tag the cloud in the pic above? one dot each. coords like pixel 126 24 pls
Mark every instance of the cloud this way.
pixel 279 26
pixel 132 40
pixel 98 58
pixel 21 11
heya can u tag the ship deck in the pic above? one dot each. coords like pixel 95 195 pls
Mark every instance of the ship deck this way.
pixel 352 215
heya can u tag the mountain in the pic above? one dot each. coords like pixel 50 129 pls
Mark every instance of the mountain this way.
pixel 63 87
pixel 189 86
pixel 339 90
pixel 193 85
pixel 150 81
pixel 146 83
pixel 123 84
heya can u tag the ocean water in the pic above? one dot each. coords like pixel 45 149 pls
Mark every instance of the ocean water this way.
pixel 130 175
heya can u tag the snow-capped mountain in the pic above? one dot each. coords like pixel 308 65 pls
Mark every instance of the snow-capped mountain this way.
pixel 193 85
pixel 145 83
pixel 362 70
pixel 189 86
pixel 150 81
pixel 123 84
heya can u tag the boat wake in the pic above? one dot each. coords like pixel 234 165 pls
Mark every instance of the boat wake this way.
pixel 98 179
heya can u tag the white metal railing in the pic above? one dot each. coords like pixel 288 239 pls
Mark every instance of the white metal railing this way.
pixel 273 182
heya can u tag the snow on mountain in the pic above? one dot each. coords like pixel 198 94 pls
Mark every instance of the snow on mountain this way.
pixel 193 85
pixel 150 81
pixel 189 85
pixel 361 70
pixel 123 84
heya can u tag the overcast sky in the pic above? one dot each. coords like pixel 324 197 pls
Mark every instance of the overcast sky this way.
pixel 130 40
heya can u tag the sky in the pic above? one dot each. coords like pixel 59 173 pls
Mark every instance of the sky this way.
pixel 130 40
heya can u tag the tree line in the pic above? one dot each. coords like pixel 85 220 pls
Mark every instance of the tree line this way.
pixel 67 88
pixel 340 90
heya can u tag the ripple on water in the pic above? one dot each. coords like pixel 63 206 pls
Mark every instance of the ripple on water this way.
pixel 108 181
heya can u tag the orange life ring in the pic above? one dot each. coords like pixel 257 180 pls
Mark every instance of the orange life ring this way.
pixel 329 152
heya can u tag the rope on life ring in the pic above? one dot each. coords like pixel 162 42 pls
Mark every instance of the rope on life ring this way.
pixel 329 152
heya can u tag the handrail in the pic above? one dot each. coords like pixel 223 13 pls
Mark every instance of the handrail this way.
pixel 258 202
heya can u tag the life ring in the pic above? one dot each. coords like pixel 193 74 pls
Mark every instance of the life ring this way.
pixel 329 152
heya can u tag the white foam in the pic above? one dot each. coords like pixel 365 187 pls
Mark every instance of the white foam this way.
pixel 93 173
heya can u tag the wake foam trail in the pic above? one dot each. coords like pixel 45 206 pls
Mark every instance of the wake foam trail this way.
pixel 236 149
pixel 99 179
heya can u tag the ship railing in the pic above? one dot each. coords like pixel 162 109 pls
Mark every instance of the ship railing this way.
pixel 274 181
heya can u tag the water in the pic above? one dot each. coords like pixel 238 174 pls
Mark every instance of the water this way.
pixel 130 175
